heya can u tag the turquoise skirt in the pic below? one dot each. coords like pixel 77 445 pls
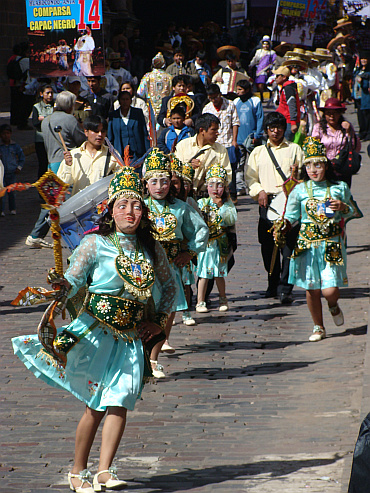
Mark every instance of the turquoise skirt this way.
pixel 309 270
pixel 101 371
pixel 209 262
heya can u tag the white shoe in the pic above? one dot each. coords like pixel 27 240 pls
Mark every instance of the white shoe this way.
pixel 2 214
pixel 166 348
pixel 112 484
pixel 37 243
pixel 13 212
pixel 85 477
pixel 338 318
pixel 187 319
pixel 224 306
pixel 318 334
pixel 201 307
pixel 157 370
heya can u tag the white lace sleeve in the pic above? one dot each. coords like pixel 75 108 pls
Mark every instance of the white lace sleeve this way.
pixel 82 263
pixel 167 281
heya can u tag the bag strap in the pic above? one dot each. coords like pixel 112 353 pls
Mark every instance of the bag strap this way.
pixel 107 161
pixel 276 164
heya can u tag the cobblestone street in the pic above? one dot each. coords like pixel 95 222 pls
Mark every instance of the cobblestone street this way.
pixel 248 405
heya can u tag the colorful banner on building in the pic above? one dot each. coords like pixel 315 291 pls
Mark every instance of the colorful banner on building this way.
pixel 66 37
pixel 296 20
pixel 238 12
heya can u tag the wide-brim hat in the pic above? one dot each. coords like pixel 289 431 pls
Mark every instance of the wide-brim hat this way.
pixel 295 60
pixel 300 52
pixel 333 104
pixel 125 183
pixel 340 39
pixel 322 54
pixel 341 23
pixel 283 47
pixel 194 41
pixel 222 51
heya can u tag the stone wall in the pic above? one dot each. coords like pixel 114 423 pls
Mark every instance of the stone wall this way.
pixel 12 31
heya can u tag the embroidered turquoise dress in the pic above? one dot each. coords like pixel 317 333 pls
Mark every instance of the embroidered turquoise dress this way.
pixel 173 224
pixel 213 262
pixel 319 259
pixel 104 366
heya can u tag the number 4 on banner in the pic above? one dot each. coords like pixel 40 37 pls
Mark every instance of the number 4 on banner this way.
pixel 92 17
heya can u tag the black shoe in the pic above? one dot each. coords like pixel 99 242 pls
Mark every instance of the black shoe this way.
pixel 270 293
pixel 286 299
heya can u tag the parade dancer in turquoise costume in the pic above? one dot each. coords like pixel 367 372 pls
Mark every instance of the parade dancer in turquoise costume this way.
pixel 220 214
pixel 182 174
pixel 173 221
pixel 103 358
pixel 319 260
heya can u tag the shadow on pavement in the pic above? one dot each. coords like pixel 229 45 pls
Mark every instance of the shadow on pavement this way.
pixel 217 373
pixel 186 480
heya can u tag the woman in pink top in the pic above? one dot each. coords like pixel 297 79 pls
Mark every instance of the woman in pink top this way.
pixel 334 131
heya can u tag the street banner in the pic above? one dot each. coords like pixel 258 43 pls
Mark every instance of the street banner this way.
pixel 238 12
pixel 66 37
pixel 296 20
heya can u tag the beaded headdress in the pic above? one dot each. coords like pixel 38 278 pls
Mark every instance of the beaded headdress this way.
pixel 156 163
pixel 125 183
pixel 158 61
pixel 314 150
pixel 216 171
pixel 188 172
pixel 176 166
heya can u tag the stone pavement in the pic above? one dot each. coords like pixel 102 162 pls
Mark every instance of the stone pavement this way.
pixel 249 405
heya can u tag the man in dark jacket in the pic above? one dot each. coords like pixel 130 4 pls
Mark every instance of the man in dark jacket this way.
pixel 100 100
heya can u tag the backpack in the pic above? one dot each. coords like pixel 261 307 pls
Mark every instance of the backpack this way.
pixel 14 71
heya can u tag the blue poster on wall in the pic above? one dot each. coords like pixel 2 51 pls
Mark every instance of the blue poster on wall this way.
pixel 66 37
pixel 296 20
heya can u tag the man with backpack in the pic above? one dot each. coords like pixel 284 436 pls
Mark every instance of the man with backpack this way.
pixel 17 71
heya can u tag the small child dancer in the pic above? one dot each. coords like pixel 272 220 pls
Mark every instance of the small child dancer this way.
pixel 180 175
pixel 220 213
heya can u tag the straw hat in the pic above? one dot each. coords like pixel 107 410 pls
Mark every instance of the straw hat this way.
pixel 343 23
pixel 322 54
pixel 222 50
pixel 297 51
pixel 295 60
pixel 339 39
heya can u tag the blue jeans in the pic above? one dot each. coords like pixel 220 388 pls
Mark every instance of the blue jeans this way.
pixel 234 164
pixel 41 228
pixel 9 179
